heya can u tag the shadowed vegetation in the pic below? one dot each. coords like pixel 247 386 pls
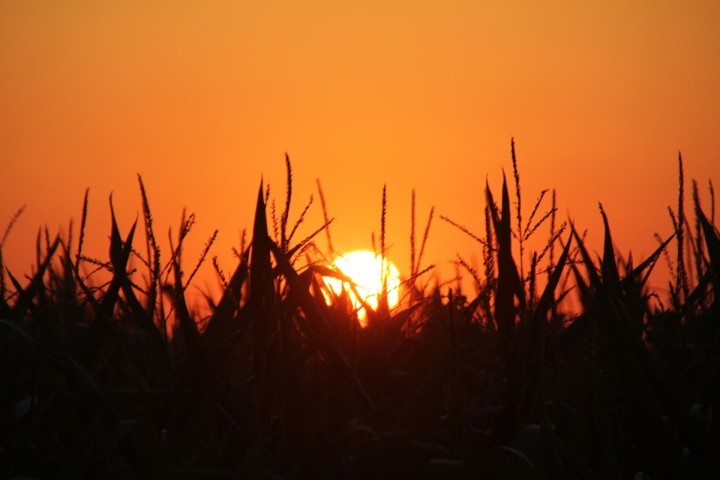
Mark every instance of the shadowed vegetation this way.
pixel 107 373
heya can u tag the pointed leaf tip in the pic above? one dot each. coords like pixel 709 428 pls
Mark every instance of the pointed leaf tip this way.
pixel 609 265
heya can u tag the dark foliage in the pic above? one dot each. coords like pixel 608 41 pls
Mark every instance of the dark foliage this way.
pixel 120 379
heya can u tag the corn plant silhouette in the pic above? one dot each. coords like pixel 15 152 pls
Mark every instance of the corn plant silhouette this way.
pixel 108 372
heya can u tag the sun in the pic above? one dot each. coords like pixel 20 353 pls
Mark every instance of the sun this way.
pixel 367 271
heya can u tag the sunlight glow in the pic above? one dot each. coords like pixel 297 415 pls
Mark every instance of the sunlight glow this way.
pixel 366 270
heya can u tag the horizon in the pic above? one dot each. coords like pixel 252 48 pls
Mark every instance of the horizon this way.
pixel 202 102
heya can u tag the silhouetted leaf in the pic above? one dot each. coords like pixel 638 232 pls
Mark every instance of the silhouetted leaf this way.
pixel 712 240
pixel 220 324
pixel 609 264
pixel 261 292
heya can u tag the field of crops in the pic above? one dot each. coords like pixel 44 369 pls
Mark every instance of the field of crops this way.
pixel 107 373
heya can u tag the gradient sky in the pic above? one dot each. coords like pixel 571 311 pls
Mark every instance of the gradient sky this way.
pixel 202 98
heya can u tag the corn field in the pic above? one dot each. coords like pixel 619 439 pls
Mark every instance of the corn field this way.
pixel 107 373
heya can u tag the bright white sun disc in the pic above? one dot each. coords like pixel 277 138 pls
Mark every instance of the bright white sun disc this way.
pixel 367 271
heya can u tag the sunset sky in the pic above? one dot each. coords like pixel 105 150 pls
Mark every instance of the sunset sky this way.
pixel 204 98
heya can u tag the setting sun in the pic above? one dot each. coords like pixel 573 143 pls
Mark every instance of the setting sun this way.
pixel 187 186
pixel 367 271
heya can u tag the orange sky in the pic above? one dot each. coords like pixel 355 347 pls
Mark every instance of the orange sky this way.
pixel 202 98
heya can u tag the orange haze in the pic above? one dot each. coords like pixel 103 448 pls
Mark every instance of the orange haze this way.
pixel 203 98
